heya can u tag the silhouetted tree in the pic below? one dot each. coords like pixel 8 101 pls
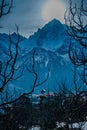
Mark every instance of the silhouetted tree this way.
pixel 9 65
pixel 75 19
pixel 5 7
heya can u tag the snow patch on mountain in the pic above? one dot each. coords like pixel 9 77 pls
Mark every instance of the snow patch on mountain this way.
pixel 51 55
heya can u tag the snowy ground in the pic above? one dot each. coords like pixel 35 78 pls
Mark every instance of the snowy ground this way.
pixel 35 128
pixel 82 125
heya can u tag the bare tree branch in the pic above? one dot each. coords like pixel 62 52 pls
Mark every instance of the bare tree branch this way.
pixel 8 71
pixel 35 82
pixel 5 7
pixel 76 25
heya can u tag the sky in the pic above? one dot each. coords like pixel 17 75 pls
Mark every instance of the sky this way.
pixel 30 15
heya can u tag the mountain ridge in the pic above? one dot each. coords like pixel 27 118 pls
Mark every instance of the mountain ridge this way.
pixel 51 54
pixel 50 36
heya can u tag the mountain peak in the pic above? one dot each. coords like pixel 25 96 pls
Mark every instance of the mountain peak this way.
pixel 50 36
pixel 55 21
pixel 55 24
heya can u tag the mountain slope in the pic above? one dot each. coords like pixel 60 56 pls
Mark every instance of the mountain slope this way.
pixel 5 40
pixel 51 36
pixel 51 44
pixel 59 67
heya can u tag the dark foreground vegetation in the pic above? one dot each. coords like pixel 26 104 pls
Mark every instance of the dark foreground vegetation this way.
pixel 46 112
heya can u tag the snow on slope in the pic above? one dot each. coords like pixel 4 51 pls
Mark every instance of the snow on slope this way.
pixel 51 54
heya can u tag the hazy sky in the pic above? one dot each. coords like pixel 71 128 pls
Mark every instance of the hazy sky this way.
pixel 30 15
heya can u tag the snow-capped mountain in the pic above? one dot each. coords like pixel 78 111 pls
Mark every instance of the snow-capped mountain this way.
pixel 51 45
pixel 50 36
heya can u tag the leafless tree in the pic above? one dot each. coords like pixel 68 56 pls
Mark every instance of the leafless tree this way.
pixel 35 84
pixel 8 67
pixel 5 7
pixel 75 19
pixel 71 103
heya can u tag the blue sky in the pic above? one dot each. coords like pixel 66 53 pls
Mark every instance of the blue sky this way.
pixel 30 15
